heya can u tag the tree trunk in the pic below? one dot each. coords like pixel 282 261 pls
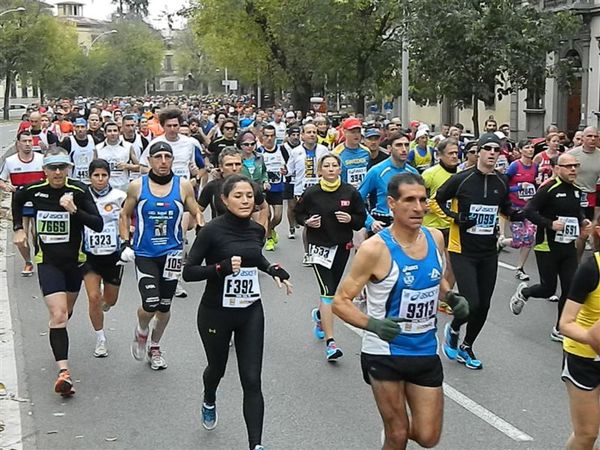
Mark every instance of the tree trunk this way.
pixel 6 113
pixel 301 93
pixel 41 96
pixel 475 116
pixel 360 103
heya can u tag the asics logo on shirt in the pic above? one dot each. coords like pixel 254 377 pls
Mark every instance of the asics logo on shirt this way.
pixel 40 194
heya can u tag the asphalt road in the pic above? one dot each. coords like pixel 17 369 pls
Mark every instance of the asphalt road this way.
pixel 310 403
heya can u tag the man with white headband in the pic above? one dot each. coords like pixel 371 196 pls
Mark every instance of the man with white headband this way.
pixel 62 208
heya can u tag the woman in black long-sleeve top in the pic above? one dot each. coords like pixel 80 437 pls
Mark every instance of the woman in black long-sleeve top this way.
pixel 230 247
pixel 330 211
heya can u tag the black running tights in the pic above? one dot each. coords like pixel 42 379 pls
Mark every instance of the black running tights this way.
pixel 215 326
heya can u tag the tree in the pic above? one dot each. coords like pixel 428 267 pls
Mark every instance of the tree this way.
pixel 22 43
pixel 296 45
pixel 481 50
pixel 191 61
pixel 137 8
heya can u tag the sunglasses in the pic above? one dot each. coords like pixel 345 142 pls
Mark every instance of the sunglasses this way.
pixel 248 144
pixel 491 148
pixel 570 166
pixel 55 167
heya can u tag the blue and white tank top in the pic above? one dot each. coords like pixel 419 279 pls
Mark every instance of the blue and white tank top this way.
pixel 409 291
pixel 158 231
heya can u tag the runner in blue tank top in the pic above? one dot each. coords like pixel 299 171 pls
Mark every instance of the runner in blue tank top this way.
pixel 402 269
pixel 159 200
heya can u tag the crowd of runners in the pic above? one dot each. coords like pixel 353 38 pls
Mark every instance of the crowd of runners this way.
pixel 420 216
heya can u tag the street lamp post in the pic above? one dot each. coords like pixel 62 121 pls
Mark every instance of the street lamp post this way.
pixel 20 9
pixel 87 53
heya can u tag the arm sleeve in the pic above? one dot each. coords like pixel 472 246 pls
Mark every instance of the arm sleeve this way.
pixel 193 270
pixel 585 281
pixel 446 192
pixel 198 158
pixel 87 213
pixel 301 210
pixel 359 213
pixel 533 207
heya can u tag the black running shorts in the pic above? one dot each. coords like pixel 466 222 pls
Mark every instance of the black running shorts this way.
pixel 53 279
pixel 584 373
pixel 419 370
pixel 106 267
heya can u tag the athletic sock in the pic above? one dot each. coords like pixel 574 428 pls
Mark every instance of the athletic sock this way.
pixel 59 342
pixel 329 341
pixel 154 344
pixel 207 406
pixel 100 335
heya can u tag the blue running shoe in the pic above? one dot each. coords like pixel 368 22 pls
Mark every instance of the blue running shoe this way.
pixel 259 447
pixel 209 416
pixel 467 357
pixel 450 345
pixel 317 329
pixel 333 352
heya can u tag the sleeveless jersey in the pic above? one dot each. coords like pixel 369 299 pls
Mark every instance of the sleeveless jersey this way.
pixel 522 184
pixel 422 162
pixel 158 230
pixel 81 157
pixel 587 316
pixel 115 154
pixel 39 140
pixel 107 241
pixel 274 161
pixel 355 162
pixel 544 169
pixel 410 291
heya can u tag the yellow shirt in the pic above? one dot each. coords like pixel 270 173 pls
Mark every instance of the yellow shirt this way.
pixel 587 316
pixel 434 178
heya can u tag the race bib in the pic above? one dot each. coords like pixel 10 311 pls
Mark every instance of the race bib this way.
pixel 173 265
pixel 526 191
pixel 322 256
pixel 571 231
pixel 183 172
pixel 102 243
pixel 82 173
pixel 485 217
pixel 356 175
pixel 308 182
pixel 241 289
pixel 53 226
pixel 420 308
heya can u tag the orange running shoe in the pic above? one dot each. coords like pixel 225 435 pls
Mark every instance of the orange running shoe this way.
pixel 64 384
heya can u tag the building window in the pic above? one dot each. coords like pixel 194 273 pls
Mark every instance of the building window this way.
pixel 13 90
pixel 24 92
pixel 169 86
pixel 168 63
pixel 34 91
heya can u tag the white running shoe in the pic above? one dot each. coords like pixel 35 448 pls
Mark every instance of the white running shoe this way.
pixel 101 350
pixel 155 358
pixel 518 300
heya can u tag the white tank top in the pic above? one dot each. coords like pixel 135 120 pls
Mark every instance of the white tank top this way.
pixel 81 157
pixel 115 154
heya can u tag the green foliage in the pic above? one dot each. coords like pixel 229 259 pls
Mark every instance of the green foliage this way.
pixel 137 8
pixel 190 59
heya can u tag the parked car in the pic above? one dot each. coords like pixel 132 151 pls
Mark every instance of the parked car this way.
pixel 16 111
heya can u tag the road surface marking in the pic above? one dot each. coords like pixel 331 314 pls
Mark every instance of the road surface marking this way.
pixel 9 410
pixel 506 266
pixel 473 407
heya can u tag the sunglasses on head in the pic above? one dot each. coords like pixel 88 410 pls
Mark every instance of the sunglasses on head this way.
pixel 491 148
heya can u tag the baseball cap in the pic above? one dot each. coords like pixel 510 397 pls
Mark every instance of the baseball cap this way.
pixel 81 121
pixel 160 147
pixel 488 138
pixel 422 132
pixel 293 129
pixel 372 132
pixel 500 134
pixel 351 123
pixel 414 123
pixel 290 115
pixel 57 159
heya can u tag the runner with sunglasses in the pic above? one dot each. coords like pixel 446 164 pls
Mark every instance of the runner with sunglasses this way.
pixel 555 209
pixel 62 208
pixel 477 196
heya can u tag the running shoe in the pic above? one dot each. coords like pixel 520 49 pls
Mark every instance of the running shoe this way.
pixel 292 233
pixel 180 292
pixel 555 335
pixel 521 275
pixel 101 351
pixel 259 447
pixel 270 245
pixel 138 346
pixel 553 298
pixel 27 270
pixel 275 237
pixel 317 329
pixel 450 346
pixel 467 357
pixel 155 359
pixel 209 416
pixel 64 384
pixel 306 260
pixel 333 352
pixel 518 300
